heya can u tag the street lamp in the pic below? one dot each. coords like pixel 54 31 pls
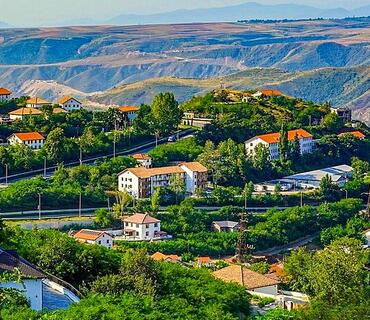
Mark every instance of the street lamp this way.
pixel 45 167
pixel 6 174
pixel 301 198
pixel 79 205
pixel 39 206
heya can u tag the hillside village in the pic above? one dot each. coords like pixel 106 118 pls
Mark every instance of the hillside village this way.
pixel 242 192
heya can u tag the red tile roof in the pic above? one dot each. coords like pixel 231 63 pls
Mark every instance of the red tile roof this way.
pixel 29 136
pixel 37 101
pixel 158 256
pixel 4 92
pixel 26 112
pixel 274 137
pixel 65 99
pixel 272 92
pixel 357 134
pixel 128 108
pixel 141 218
pixel 86 234
pixel 141 156
pixel 204 259
pixel 194 166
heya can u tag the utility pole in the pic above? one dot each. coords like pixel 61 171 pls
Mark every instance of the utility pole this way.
pixel 6 174
pixel 114 138
pixel 79 205
pixel 80 153
pixel 39 206
pixel 45 167
pixel 243 248
pixel 301 198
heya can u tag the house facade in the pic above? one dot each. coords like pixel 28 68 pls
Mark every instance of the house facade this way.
pixel 271 141
pixel 37 103
pixel 130 111
pixel 5 94
pixel 100 238
pixel 142 182
pixel 142 227
pixel 144 160
pixel 31 277
pixel 34 140
pixel 225 226
pixel 69 103
pixel 21 113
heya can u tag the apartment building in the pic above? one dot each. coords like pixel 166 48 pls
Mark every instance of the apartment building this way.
pixel 34 140
pixel 271 140
pixel 142 182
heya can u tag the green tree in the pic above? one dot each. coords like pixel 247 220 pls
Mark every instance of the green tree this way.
pixel 360 168
pixel 104 218
pixel 283 144
pixel 295 149
pixel 166 113
pixel 55 145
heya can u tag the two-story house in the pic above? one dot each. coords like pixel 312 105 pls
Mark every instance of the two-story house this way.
pixel 34 140
pixel 142 182
pixel 141 227
pixel 130 111
pixel 69 103
pixel 21 113
pixel 37 103
pixel 143 160
pixel 271 140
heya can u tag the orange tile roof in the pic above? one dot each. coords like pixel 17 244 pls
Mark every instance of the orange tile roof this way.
pixel 147 173
pixel 141 218
pixel 158 256
pixel 4 92
pixel 357 134
pixel 245 277
pixel 65 99
pixel 204 259
pixel 59 110
pixel 141 156
pixel 274 137
pixel 86 234
pixel 26 112
pixel 194 166
pixel 37 101
pixel 272 92
pixel 29 136
pixel 128 108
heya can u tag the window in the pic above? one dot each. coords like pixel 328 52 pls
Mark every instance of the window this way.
pixel 99 242
pixel 147 226
pixel 147 234
pixel 108 241
pixel 156 225
pixel 126 224
pixel 137 233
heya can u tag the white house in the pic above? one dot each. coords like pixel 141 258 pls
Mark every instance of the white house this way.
pixel 37 103
pixel 254 282
pixel 69 103
pixel 130 111
pixel 31 278
pixel 271 140
pixel 142 227
pixel 144 160
pixel 266 93
pixel 21 113
pixel 4 94
pixel 100 238
pixel 142 182
pixel 34 140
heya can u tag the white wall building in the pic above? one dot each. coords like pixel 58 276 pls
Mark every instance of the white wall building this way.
pixel 69 103
pixel 21 113
pixel 32 277
pixel 37 103
pixel 142 227
pixel 130 111
pixel 271 140
pixel 34 140
pixel 100 238
pixel 144 160
pixel 5 94
pixel 142 182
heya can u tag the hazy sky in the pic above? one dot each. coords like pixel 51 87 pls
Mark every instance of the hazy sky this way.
pixel 34 12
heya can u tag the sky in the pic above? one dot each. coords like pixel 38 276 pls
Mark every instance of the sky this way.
pixel 36 12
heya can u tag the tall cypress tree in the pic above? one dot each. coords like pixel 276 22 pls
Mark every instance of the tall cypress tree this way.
pixel 283 145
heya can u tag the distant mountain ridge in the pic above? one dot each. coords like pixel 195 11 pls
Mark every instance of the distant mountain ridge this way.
pixel 246 11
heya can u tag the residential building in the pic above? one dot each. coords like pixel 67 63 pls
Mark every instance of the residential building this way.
pixel 144 160
pixel 69 103
pixel 357 134
pixel 204 262
pixel 32 277
pixel 97 237
pixel 142 182
pixel 37 103
pixel 130 111
pixel 142 227
pixel 21 113
pixel 4 94
pixel 34 140
pixel 194 120
pixel 158 256
pixel 271 140
pixel 254 282
pixel 339 175
pixel 344 114
pixel 58 110
pixel 225 226
pixel 267 93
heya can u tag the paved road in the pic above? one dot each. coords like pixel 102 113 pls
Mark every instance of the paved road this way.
pixel 89 212
pixel 144 148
